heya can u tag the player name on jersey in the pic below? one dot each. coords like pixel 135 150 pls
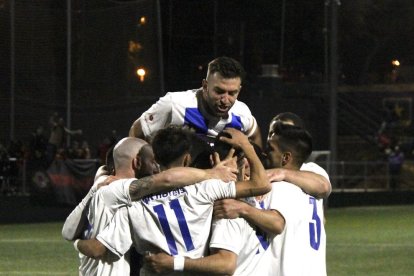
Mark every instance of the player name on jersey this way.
pixel 175 192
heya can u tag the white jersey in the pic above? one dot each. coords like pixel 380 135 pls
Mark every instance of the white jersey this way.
pixel 177 222
pixel 181 108
pixel 313 167
pixel 301 248
pixel 243 239
pixel 101 210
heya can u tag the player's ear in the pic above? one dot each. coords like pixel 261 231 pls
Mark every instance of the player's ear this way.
pixel 286 158
pixel 187 160
pixel 136 163
pixel 204 84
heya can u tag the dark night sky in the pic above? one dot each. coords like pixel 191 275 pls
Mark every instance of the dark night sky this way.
pixel 249 31
pixel 370 35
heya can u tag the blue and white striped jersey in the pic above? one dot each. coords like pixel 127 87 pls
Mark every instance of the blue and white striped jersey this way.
pixel 181 108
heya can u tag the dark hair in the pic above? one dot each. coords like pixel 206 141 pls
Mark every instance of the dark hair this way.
pixel 200 153
pixel 170 143
pixel 173 141
pixel 293 139
pixel 223 148
pixel 227 67
pixel 289 116
pixel 109 160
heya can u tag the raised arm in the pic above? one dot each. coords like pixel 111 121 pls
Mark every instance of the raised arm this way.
pixel 258 183
pixel 73 132
pixel 312 183
pixel 176 178
pixel 256 137
pixel 136 130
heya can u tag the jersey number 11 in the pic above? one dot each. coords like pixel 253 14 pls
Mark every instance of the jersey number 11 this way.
pixel 182 223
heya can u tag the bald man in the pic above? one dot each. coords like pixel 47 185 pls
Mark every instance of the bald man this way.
pixel 133 157
pixel 99 205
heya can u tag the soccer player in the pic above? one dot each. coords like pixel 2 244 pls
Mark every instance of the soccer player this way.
pixel 311 177
pixel 129 161
pixel 236 246
pixel 207 110
pixel 292 219
pixel 300 249
pixel 177 222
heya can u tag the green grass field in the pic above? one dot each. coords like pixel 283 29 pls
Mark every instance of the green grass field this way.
pixel 361 241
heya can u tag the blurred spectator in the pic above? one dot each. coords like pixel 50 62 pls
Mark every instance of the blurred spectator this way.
pixel 5 168
pixel 74 152
pixel 103 148
pixel 17 153
pixel 37 146
pixel 57 137
pixel 86 151
pixel 395 162
pixel 79 151
pixel 106 144
pixel 114 137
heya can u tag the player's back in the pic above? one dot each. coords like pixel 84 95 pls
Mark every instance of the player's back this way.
pixel 104 204
pixel 247 241
pixel 100 212
pixel 301 248
pixel 178 222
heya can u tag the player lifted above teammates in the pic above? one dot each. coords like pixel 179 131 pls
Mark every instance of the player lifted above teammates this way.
pixel 207 110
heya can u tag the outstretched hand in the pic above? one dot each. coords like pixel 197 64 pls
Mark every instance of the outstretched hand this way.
pixel 237 140
pixel 223 170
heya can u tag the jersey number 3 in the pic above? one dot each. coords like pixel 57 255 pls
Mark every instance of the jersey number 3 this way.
pixel 182 223
pixel 314 226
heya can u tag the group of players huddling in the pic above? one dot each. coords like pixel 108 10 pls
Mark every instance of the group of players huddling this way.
pixel 191 191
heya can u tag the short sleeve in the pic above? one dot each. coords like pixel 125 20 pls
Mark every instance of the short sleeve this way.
pixel 240 109
pixel 157 116
pixel 215 189
pixel 116 194
pixel 116 236
pixel 313 167
pixel 227 234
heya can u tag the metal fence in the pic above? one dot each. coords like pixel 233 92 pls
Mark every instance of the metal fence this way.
pixel 359 175
pixel 21 177
pixel 349 176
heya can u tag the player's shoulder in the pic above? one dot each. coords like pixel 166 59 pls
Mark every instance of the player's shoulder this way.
pixel 177 95
pixel 211 186
pixel 283 185
pixel 115 185
pixel 313 167
pixel 240 106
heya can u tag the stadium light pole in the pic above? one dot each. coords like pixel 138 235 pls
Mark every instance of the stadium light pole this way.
pixel 160 47
pixel 333 84
pixel 69 68
pixel 12 69
pixel 215 7
pixel 282 34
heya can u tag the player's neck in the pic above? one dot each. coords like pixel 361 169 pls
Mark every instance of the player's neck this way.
pixel 125 173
